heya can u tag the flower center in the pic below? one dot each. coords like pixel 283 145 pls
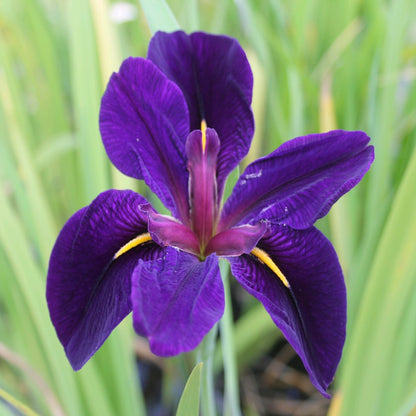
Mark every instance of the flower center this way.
pixel 201 237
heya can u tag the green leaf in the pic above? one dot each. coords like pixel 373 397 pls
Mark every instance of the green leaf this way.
pixel 230 183
pixel 159 16
pixel 383 327
pixel 189 402
pixel 86 91
pixel 231 392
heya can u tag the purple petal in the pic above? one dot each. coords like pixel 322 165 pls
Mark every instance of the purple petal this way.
pixel 176 301
pixel 144 123
pixel 88 293
pixel 215 77
pixel 166 231
pixel 300 181
pixel 312 314
pixel 236 241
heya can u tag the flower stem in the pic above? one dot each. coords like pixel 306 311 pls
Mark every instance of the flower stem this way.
pixel 231 393
pixel 205 354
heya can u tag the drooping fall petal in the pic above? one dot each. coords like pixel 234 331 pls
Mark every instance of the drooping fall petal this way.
pixel 176 300
pixel 88 292
pixel 312 313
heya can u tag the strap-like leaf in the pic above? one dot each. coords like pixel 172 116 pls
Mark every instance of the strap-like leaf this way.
pixel 189 402
pixel 159 16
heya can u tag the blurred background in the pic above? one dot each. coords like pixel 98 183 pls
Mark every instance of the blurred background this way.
pixel 318 65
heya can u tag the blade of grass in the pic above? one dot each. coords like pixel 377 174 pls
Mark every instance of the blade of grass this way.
pixel 22 408
pixel 205 353
pixel 189 402
pixel 86 92
pixel 390 282
pixel 404 347
pixel 251 327
pixel 44 227
pixel 231 391
pixel 18 362
pixel 109 54
pixel 31 293
pixel 397 25
pixel 159 16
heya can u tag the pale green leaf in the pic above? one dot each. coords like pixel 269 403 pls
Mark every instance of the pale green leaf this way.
pixel 159 16
pixel 189 402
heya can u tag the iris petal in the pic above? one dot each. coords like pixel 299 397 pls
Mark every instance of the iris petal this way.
pixel 236 241
pixel 88 294
pixel 166 231
pixel 215 77
pixel 300 181
pixel 144 123
pixel 312 314
pixel 176 301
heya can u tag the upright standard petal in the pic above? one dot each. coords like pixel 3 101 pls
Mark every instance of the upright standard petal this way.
pixel 88 291
pixel 312 313
pixel 215 77
pixel 144 123
pixel 176 301
pixel 300 181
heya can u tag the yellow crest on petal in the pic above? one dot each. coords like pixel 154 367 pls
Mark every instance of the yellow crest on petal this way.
pixel 140 239
pixel 204 134
pixel 265 258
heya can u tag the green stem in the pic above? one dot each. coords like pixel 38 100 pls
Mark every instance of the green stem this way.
pixel 205 354
pixel 231 393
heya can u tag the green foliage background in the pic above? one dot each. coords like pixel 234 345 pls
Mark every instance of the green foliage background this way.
pixel 318 65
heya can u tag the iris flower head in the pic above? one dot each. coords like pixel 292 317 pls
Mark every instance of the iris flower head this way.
pixel 181 121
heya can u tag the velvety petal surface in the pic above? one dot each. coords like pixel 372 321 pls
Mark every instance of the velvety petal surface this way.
pixel 88 292
pixel 144 123
pixel 312 314
pixel 215 77
pixel 300 181
pixel 176 300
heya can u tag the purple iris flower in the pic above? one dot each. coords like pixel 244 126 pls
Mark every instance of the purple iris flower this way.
pixel 181 121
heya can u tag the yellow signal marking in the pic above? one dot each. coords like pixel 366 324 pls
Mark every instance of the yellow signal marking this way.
pixel 204 134
pixel 265 258
pixel 140 239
